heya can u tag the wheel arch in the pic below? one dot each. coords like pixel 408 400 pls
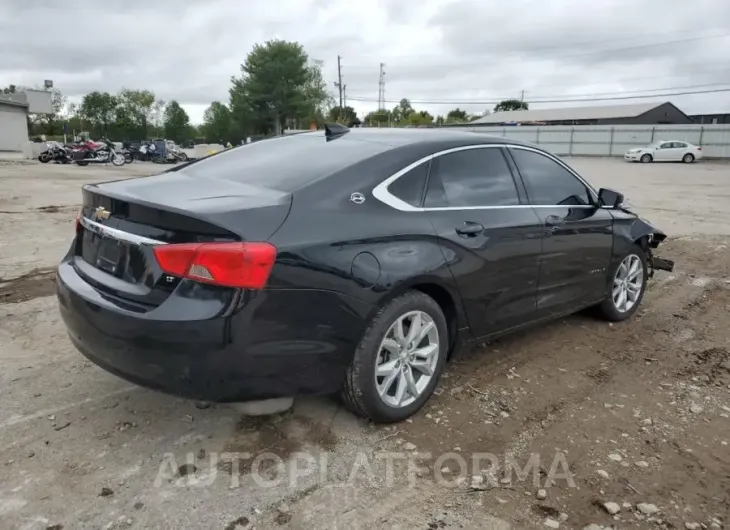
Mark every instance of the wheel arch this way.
pixel 445 295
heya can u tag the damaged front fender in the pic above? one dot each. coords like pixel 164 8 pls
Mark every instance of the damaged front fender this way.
pixel 649 237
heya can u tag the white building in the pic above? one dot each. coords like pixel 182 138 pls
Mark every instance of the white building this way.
pixel 14 109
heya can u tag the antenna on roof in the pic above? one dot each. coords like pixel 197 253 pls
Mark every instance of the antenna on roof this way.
pixel 334 130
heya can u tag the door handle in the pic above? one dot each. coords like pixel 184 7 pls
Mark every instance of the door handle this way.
pixel 469 229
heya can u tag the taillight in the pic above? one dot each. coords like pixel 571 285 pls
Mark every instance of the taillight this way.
pixel 243 265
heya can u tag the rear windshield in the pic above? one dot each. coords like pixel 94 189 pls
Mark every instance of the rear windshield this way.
pixel 287 163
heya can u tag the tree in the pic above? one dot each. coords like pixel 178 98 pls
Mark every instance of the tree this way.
pixel 511 104
pixel 377 118
pixel 346 116
pixel 316 93
pixel 456 116
pixel 134 112
pixel 217 123
pixel 402 110
pixel 277 84
pixel 418 118
pixel 157 118
pixel 176 122
pixel 99 111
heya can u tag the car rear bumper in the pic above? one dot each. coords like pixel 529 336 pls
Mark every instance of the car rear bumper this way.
pixel 264 345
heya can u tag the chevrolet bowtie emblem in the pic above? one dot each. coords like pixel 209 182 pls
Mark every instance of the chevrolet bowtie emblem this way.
pixel 101 214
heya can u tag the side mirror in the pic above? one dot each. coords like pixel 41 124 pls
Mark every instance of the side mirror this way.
pixel 610 198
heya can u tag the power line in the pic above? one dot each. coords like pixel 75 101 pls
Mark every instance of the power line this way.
pixel 645 78
pixel 639 92
pixel 642 46
pixel 541 46
pixel 612 80
pixel 571 100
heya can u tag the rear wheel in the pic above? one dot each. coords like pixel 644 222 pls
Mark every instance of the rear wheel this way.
pixel 82 162
pixel 688 158
pixel 128 158
pixel 627 287
pixel 399 360
pixel 44 158
pixel 647 158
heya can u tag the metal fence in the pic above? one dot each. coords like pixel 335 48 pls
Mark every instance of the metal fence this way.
pixel 613 140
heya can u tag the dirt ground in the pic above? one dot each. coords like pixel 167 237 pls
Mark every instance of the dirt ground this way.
pixel 636 413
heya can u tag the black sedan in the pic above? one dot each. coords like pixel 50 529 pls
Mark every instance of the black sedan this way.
pixel 351 262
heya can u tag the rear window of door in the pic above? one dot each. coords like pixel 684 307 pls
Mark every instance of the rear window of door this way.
pixel 471 178
pixel 548 182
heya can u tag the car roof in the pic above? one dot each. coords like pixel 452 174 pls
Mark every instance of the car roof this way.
pixel 396 137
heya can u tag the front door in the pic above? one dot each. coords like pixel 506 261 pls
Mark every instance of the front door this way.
pixel 490 238
pixel 664 152
pixel 578 235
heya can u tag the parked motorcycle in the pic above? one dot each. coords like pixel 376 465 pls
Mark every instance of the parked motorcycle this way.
pixel 128 156
pixel 176 154
pixel 97 153
pixel 55 152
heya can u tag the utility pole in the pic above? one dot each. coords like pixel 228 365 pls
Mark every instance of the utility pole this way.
pixel 381 88
pixel 338 83
pixel 522 96
pixel 344 97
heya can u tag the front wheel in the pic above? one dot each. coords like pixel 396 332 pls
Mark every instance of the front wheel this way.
pixel 627 286
pixel 646 158
pixel 399 360
pixel 183 157
pixel 117 160
pixel 44 158
pixel 688 158
pixel 82 162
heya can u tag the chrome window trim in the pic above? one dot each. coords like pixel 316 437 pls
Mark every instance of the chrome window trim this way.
pixel 381 192
pixel 115 233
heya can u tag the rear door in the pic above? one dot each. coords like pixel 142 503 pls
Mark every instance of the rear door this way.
pixel 678 150
pixel 490 238
pixel 578 235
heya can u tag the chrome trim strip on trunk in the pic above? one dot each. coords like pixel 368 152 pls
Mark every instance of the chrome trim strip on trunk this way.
pixel 115 233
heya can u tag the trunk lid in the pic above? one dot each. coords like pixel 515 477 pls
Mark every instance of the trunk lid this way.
pixel 121 222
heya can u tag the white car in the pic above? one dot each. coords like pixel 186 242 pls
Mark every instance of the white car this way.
pixel 665 151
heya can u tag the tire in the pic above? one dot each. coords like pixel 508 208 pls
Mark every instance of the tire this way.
pixel 360 392
pixel 128 158
pixel 116 159
pixel 183 157
pixel 688 158
pixel 647 158
pixel 82 163
pixel 44 158
pixel 609 309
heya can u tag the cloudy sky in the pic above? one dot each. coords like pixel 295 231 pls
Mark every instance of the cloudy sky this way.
pixel 464 53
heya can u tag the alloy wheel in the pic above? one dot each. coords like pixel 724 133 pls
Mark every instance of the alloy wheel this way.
pixel 627 283
pixel 407 359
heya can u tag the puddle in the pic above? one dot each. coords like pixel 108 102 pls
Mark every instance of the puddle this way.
pixel 280 434
pixel 36 283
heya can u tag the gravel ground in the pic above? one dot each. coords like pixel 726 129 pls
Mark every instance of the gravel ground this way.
pixel 575 423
